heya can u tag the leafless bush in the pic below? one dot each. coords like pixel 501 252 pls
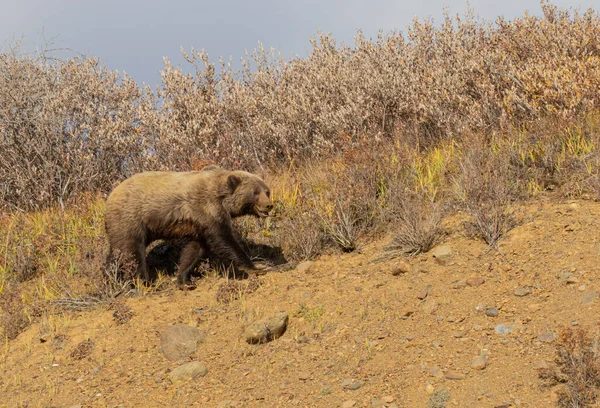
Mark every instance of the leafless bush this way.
pixel 419 226
pixel 342 226
pixel 578 365
pixel 487 186
pixel 439 399
pixel 302 236
pixel 82 350
pixel 13 319
pixel 24 261
pixel 66 127
pixel 345 196
pixel 71 126
pixel 112 277
pixel 106 279
pixel 122 313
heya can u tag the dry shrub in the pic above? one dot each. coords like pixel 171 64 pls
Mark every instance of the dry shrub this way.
pixel 25 262
pixel 82 350
pixel 67 127
pixel 486 187
pixel 302 236
pixel 578 365
pixel 122 313
pixel 419 226
pixel 72 126
pixel 232 289
pixel 13 319
pixel 439 399
pixel 346 194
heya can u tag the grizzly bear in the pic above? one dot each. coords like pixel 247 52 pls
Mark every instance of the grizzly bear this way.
pixel 197 206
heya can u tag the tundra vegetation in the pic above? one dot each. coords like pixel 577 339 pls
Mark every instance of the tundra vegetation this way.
pixel 384 136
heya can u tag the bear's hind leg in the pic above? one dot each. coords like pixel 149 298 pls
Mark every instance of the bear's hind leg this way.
pixel 140 257
pixel 190 255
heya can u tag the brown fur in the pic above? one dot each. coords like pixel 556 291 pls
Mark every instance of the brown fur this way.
pixel 197 206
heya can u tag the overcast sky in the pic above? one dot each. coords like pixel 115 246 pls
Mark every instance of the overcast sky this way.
pixel 134 35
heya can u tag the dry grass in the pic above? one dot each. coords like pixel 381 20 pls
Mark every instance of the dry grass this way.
pixel 419 229
pixel 578 366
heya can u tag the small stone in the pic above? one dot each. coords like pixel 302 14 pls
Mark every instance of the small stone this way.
pixel 406 313
pixel 541 365
pixel 349 384
pixel 436 372
pixel 303 267
pixel 304 376
pixel 574 323
pixel 534 307
pixel 522 292
pixel 387 399
pixel 76 406
pixel 475 281
pixel 326 390
pixel 180 341
pixel 348 404
pixel 188 371
pixel 492 312
pixel 478 363
pixel 503 328
pixel 453 375
pixel 547 337
pixel 429 306
pixel 376 403
pixel 45 336
pixel 423 294
pixel 587 298
pixel 480 306
pixel 264 331
pixel 401 268
pixel 565 275
pixel 429 389
pixel 442 254
pixel 572 280
pixel 582 288
pixel 457 284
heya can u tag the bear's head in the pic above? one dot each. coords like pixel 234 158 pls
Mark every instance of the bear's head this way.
pixel 248 195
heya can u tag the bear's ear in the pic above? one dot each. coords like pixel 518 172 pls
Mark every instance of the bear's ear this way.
pixel 233 182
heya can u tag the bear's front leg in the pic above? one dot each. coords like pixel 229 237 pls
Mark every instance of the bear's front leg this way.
pixel 222 242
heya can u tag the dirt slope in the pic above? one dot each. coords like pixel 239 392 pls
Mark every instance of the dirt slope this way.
pixel 349 319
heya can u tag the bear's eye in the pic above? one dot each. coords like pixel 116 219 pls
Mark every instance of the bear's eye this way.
pixel 268 193
pixel 256 192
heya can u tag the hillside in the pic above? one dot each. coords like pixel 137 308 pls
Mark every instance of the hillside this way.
pixel 398 338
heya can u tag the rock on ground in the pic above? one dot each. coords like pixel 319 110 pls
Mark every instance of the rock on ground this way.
pixel 267 330
pixel 442 254
pixel 188 371
pixel 180 341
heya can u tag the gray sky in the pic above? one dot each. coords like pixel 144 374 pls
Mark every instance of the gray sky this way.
pixel 134 35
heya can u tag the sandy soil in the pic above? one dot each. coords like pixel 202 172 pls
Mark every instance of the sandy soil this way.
pixel 349 319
